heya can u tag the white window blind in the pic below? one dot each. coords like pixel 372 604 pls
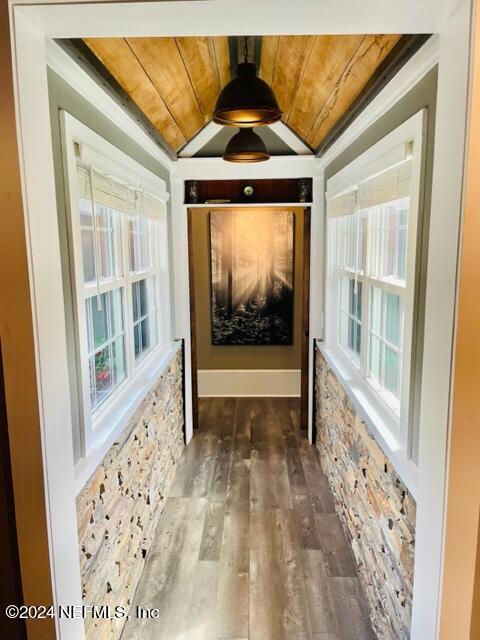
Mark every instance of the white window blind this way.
pixel 345 204
pixel 386 186
pixel 389 185
pixel 109 192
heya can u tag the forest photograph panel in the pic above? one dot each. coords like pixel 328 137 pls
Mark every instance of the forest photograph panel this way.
pixel 252 277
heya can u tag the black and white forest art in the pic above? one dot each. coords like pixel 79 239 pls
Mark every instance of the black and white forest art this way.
pixel 252 277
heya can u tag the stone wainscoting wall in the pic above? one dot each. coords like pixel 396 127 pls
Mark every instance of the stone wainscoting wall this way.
pixel 376 509
pixel 119 508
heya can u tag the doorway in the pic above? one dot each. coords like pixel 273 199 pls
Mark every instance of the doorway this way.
pixel 247 357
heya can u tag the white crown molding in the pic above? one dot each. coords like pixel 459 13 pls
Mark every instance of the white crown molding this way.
pixel 66 67
pixel 408 76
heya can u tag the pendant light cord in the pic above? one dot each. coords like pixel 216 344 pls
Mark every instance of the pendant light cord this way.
pixel 245 48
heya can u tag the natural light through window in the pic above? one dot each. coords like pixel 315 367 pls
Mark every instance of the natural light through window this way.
pixel 119 250
pixel 372 213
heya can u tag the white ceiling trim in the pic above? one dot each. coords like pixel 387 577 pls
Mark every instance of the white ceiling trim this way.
pixel 218 169
pixel 285 133
pixel 210 130
pixel 66 67
pixel 271 17
pixel 200 139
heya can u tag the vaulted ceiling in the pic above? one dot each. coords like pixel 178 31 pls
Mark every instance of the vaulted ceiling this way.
pixel 175 82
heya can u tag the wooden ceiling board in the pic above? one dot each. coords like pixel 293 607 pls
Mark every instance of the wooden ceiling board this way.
pixel 292 56
pixel 161 59
pixel 319 81
pixel 326 63
pixel 222 58
pixel 268 57
pixel 121 62
pixel 369 55
pixel 200 62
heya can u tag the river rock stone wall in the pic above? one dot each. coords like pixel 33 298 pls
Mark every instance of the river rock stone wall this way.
pixel 375 507
pixel 119 508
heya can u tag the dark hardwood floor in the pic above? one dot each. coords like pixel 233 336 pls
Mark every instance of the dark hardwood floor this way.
pixel 249 546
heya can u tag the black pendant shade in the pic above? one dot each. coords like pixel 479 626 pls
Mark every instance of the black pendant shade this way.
pixel 246 146
pixel 246 101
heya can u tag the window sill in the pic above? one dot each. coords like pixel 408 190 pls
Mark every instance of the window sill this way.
pixel 371 411
pixel 121 412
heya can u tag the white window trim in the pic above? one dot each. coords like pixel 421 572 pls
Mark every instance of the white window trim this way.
pixel 99 431
pixel 394 435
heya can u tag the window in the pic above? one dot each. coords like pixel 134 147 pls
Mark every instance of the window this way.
pixel 144 316
pixel 372 211
pixel 106 344
pixel 120 270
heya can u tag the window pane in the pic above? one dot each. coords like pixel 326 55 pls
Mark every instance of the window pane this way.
pixel 376 312
pixel 107 230
pixel 116 312
pixel 402 242
pixel 391 239
pixel 135 303
pixel 344 287
pixel 392 323
pixel 386 320
pixel 103 374
pixel 137 338
pixel 355 299
pixel 140 299
pixel 139 229
pixel 88 255
pixel 391 370
pixel 375 357
pixel 144 315
pixel 85 207
pixel 354 336
pixel 99 320
pixel 118 358
pixel 131 242
pixel 145 333
pixel 142 295
pixel 106 344
pixel 107 226
pixel 361 240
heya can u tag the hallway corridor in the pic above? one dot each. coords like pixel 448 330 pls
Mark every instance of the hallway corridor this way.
pixel 249 546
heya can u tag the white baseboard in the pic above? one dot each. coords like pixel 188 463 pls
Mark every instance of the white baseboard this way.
pixel 249 382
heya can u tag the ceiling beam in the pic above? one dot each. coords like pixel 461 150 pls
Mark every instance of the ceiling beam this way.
pixel 233 50
pixel 87 60
pixel 406 47
pixel 236 47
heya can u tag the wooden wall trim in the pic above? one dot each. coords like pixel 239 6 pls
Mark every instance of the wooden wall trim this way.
pixel 305 320
pixel 193 325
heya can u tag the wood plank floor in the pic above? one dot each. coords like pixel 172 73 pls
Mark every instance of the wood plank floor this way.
pixel 249 546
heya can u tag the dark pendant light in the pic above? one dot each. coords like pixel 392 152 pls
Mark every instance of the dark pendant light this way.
pixel 246 101
pixel 246 146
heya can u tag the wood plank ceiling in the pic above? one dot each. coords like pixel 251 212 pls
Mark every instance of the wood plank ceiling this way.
pixel 175 81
